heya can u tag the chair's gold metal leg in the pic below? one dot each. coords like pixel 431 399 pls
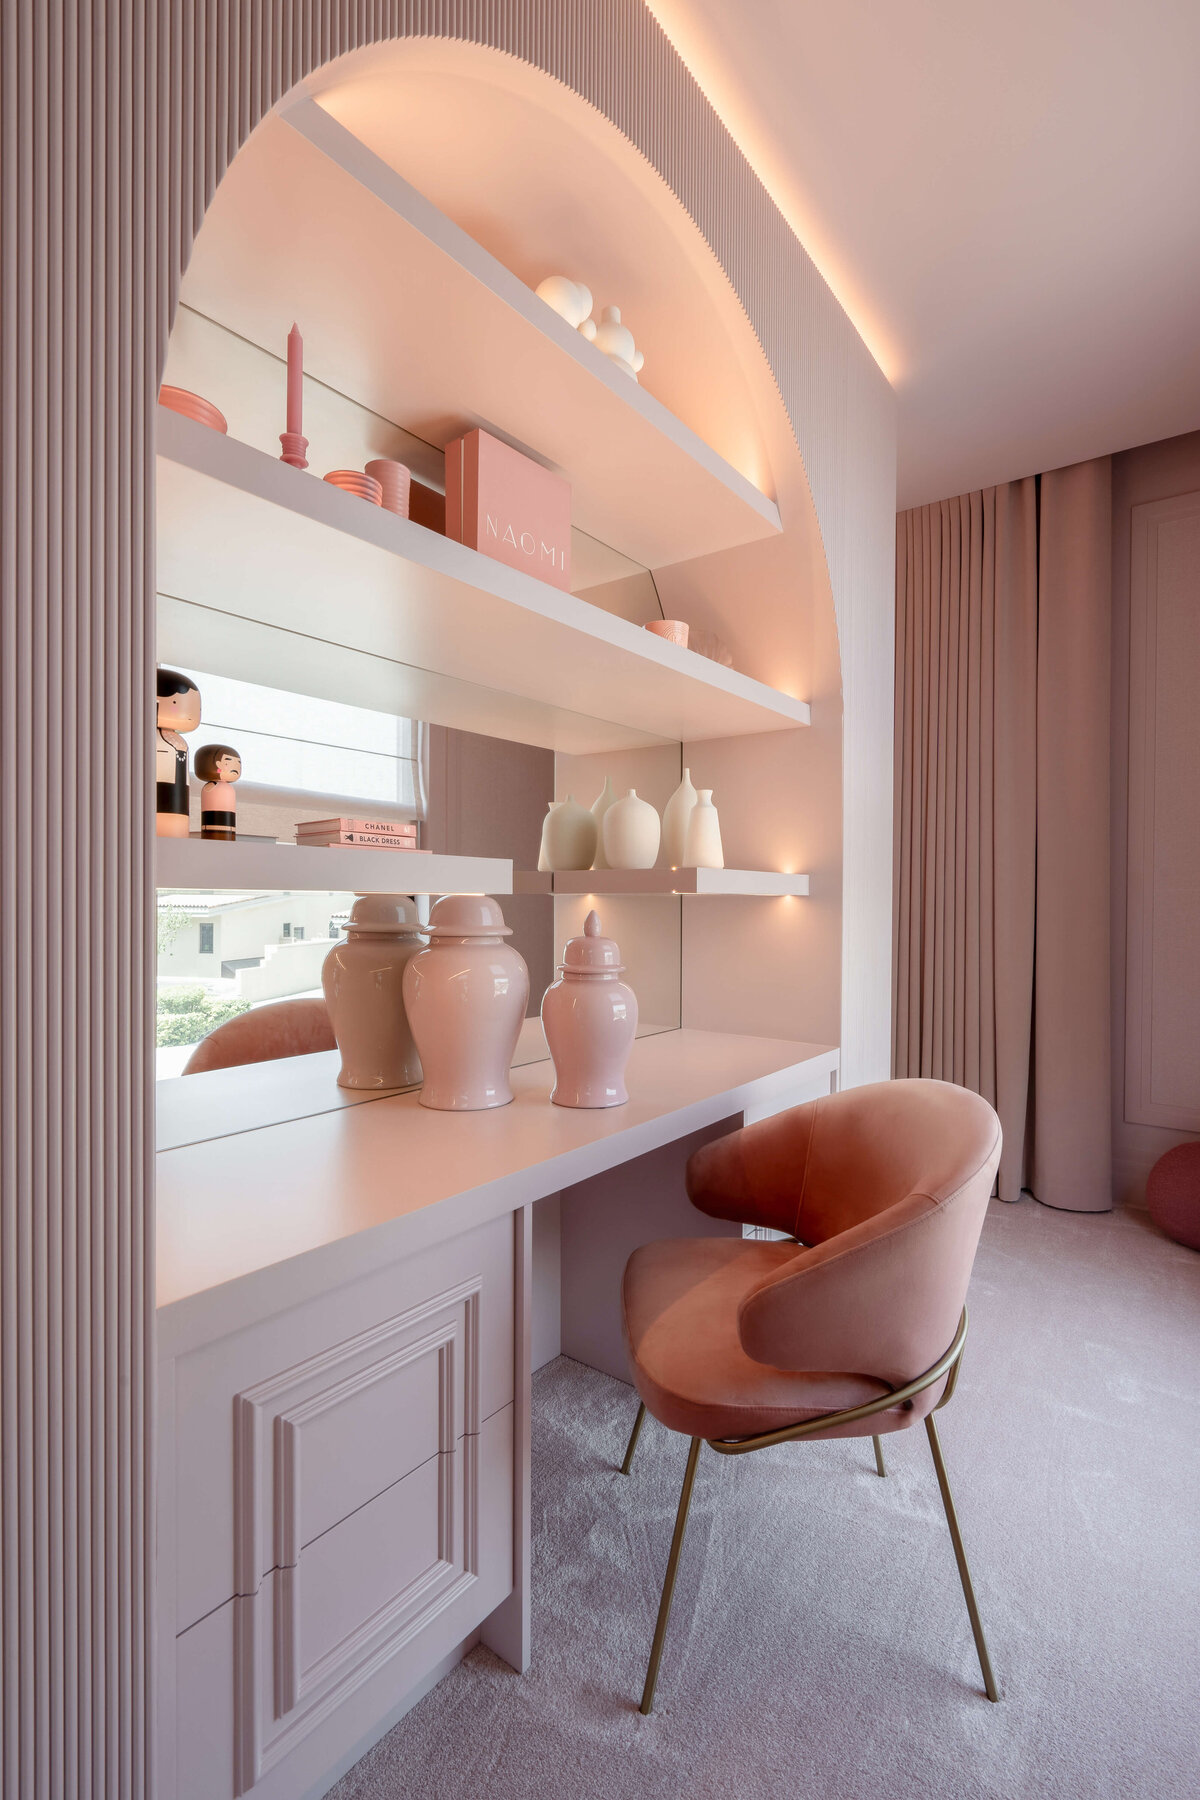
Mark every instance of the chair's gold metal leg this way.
pixel 664 1608
pixel 960 1555
pixel 879 1468
pixel 633 1438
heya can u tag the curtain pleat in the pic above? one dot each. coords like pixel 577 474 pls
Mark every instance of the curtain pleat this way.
pixel 966 720
pixel 1072 1102
pixel 1002 808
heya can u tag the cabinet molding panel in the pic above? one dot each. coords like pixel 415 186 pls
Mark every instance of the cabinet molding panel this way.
pixel 343 1598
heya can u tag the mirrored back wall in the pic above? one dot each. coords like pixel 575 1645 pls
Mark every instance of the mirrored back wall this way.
pixel 223 952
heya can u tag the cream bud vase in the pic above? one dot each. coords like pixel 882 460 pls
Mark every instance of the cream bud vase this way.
pixel 704 835
pixel 466 997
pixel 544 852
pixel 676 814
pixel 600 806
pixel 363 982
pixel 631 833
pixel 568 836
pixel 589 1017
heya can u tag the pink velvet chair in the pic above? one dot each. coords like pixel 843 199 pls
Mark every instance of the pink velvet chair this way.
pixel 284 1028
pixel 855 1326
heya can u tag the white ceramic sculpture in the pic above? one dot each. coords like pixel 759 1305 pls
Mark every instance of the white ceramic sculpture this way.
pixel 616 341
pixel 631 833
pixel 571 300
pixel 544 852
pixel 569 835
pixel 704 849
pixel 600 806
pixel 676 814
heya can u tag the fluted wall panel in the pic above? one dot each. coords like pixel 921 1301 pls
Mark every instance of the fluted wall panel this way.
pixel 117 123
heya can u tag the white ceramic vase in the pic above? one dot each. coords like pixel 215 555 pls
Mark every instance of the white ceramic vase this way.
pixel 544 851
pixel 704 835
pixel 568 836
pixel 600 806
pixel 631 833
pixel 676 814
pixel 363 982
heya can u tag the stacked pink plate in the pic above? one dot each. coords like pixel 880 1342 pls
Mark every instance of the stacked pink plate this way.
pixel 353 481
pixel 192 406
pixel 395 480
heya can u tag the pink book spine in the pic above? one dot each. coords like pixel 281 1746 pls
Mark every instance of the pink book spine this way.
pixel 364 841
pixel 381 827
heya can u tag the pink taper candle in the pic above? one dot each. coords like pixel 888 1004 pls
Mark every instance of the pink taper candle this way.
pixel 295 388
pixel 293 439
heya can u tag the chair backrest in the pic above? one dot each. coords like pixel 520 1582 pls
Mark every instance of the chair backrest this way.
pixel 886 1186
pixel 284 1028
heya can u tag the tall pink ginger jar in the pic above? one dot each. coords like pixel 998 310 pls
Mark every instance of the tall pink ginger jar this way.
pixel 466 997
pixel 590 1018
pixel 363 983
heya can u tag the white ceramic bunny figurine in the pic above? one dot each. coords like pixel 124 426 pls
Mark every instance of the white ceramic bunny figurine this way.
pixel 616 341
pixel 571 300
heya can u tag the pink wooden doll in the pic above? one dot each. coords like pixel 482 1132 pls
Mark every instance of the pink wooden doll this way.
pixel 178 710
pixel 218 767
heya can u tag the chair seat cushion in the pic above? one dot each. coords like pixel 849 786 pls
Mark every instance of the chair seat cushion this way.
pixel 680 1301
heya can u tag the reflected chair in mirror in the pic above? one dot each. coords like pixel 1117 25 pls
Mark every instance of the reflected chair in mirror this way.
pixel 282 1028
pixel 852 1327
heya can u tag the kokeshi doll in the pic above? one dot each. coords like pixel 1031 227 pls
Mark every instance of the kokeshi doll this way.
pixel 178 710
pixel 218 767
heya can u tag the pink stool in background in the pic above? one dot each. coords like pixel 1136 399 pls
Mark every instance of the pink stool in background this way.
pixel 744 1344
pixel 1173 1194
pixel 285 1028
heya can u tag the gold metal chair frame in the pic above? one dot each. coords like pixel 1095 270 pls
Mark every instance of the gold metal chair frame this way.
pixel 949 1362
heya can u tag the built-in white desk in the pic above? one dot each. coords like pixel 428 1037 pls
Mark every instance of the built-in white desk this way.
pixel 346 1288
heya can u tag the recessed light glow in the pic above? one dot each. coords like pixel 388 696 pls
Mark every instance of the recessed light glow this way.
pixel 705 64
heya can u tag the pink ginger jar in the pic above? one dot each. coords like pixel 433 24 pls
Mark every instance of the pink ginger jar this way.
pixel 589 1017
pixel 363 982
pixel 466 997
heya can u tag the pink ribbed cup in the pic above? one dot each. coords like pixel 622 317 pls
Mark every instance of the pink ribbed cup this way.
pixel 395 482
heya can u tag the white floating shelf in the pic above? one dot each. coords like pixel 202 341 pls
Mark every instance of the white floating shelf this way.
pixel 269 573
pixel 301 868
pixel 765 882
pixel 404 311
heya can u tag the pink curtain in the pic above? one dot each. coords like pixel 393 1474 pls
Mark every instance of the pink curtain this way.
pixel 1001 914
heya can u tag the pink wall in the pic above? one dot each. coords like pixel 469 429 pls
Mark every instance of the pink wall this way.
pixel 1151 472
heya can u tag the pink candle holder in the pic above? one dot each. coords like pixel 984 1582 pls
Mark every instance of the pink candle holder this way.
pixel 294 445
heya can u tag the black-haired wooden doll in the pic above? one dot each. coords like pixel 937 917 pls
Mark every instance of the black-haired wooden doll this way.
pixel 218 767
pixel 178 710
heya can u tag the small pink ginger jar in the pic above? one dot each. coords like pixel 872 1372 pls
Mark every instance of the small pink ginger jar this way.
pixel 465 997
pixel 589 1017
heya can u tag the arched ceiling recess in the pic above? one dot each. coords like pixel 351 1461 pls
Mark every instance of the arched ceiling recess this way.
pixel 547 184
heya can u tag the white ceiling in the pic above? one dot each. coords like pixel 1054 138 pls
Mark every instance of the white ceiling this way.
pixel 1006 200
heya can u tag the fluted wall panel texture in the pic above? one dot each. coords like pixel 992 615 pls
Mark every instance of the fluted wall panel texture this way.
pixel 118 121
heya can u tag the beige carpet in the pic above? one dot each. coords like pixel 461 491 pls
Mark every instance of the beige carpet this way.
pixel 820 1649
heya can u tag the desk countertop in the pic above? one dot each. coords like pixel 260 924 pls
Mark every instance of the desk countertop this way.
pixel 306 1186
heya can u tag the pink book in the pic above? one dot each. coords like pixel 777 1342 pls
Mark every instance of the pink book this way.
pixel 381 827
pixel 509 507
pixel 364 839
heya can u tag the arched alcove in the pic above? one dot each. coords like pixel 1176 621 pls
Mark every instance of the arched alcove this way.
pixel 407 343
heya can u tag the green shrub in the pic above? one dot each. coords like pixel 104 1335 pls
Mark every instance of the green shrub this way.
pixel 182 999
pixel 176 1027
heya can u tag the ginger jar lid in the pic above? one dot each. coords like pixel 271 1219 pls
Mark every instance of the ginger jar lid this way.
pixel 467 915
pixel 591 954
pixel 384 913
